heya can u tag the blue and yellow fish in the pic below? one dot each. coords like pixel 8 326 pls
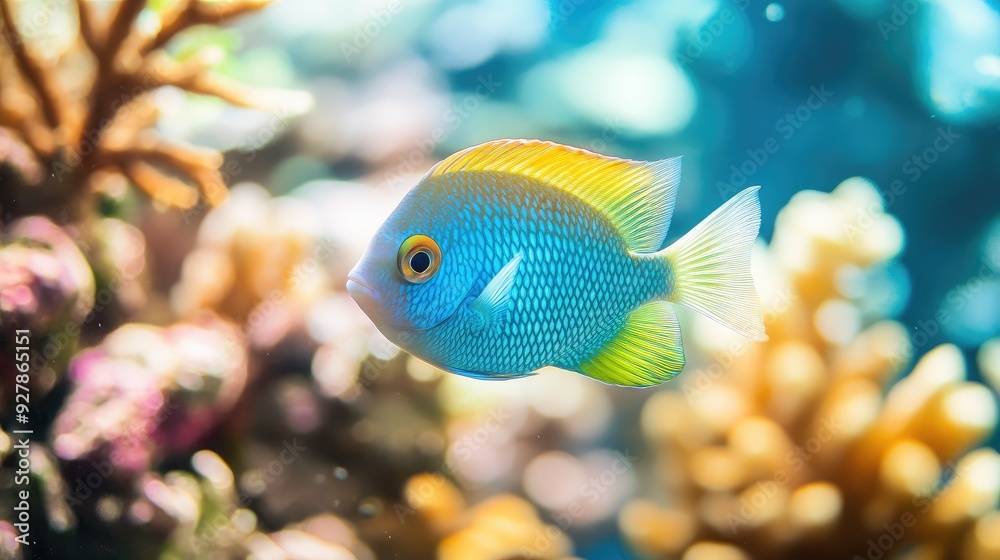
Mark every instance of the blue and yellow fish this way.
pixel 518 254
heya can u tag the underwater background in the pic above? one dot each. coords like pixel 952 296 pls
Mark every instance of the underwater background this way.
pixel 184 186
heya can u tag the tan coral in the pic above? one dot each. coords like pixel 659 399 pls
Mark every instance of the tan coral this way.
pixel 86 108
pixel 501 527
pixel 803 447
pixel 253 249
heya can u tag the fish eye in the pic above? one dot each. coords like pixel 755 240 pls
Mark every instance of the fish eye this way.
pixel 419 258
pixel 420 261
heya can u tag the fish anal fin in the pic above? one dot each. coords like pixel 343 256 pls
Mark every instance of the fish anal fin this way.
pixel 646 351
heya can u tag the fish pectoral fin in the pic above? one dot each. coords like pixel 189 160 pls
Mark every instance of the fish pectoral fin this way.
pixel 646 351
pixel 490 307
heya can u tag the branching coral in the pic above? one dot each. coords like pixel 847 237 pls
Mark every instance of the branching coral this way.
pixel 75 104
pixel 803 447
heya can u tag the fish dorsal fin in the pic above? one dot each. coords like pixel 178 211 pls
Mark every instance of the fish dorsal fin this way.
pixel 636 196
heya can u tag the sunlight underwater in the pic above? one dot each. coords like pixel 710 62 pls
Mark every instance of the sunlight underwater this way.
pixel 245 406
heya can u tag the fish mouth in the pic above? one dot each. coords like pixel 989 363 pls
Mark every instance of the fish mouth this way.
pixel 362 292
pixel 359 289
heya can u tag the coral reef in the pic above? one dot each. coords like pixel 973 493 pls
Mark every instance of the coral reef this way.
pixel 203 387
pixel 804 446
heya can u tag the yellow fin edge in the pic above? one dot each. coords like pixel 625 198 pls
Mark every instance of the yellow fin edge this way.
pixel 636 196
pixel 646 351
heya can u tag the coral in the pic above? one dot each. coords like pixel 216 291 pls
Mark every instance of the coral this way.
pixel 44 278
pixel 501 527
pixel 206 517
pixel 48 487
pixel 149 391
pixel 79 105
pixel 117 253
pixel 804 447
pixel 250 250
pixel 47 288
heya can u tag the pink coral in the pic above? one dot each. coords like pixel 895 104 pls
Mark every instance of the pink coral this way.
pixel 149 389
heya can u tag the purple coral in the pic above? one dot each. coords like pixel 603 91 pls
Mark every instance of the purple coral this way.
pixel 147 390
pixel 44 277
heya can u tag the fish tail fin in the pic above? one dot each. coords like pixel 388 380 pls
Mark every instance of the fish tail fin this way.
pixel 711 266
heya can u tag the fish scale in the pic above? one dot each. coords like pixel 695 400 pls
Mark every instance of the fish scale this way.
pixel 537 254
pixel 579 304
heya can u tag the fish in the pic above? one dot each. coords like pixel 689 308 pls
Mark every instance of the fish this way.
pixel 514 255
